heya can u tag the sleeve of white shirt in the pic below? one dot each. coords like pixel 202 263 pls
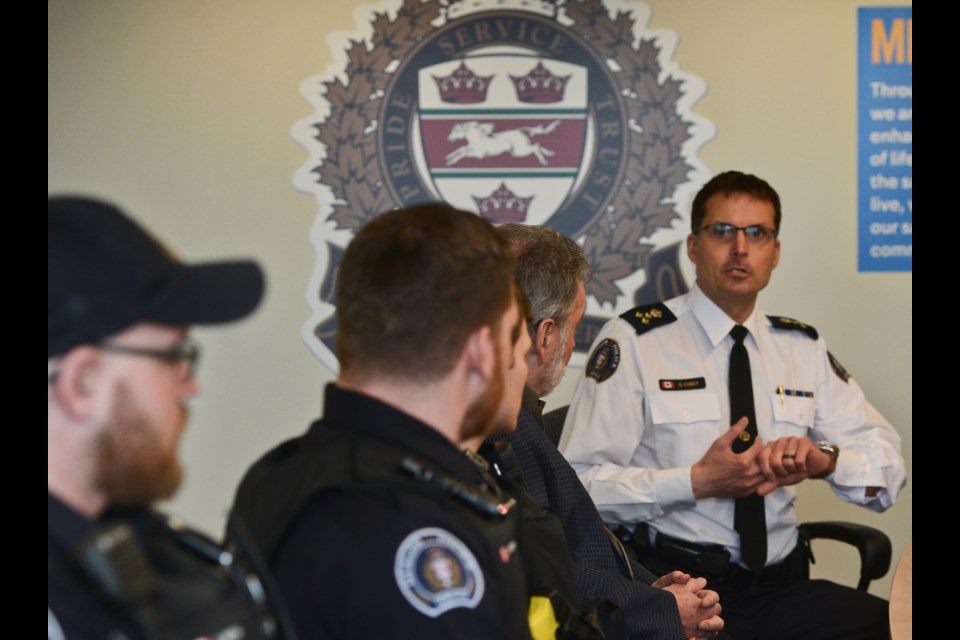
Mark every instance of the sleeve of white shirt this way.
pixel 601 435
pixel 870 448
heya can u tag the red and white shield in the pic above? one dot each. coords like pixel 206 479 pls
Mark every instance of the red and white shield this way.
pixel 503 135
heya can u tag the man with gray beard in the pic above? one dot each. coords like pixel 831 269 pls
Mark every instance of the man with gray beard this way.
pixel 553 271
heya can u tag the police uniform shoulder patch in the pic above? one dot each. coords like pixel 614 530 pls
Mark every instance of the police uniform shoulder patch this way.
pixel 782 322
pixel 838 368
pixel 649 316
pixel 437 572
pixel 604 360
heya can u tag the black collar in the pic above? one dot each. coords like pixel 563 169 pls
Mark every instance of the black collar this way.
pixel 363 415
pixel 531 402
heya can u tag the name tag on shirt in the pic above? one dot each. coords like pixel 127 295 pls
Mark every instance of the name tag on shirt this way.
pixel 683 385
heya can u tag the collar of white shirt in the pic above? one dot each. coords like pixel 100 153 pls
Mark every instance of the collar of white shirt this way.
pixel 714 320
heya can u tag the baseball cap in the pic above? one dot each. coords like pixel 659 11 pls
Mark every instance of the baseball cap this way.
pixel 106 273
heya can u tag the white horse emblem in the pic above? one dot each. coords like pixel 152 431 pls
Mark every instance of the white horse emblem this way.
pixel 482 142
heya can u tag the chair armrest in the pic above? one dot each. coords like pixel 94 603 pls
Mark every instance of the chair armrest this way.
pixel 874 545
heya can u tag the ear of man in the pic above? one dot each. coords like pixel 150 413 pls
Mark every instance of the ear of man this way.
pixel 480 354
pixel 691 247
pixel 75 386
pixel 545 340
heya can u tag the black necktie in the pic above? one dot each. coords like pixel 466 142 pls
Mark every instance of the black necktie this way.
pixel 748 515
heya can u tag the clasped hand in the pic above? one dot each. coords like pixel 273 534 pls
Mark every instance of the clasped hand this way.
pixel 721 473
pixel 699 607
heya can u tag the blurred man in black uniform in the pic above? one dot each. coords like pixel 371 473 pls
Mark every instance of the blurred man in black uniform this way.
pixel 120 370
pixel 373 520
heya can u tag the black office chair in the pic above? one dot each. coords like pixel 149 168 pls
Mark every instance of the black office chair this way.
pixel 872 544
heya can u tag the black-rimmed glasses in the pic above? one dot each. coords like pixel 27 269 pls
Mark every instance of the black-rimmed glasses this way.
pixel 187 351
pixel 725 232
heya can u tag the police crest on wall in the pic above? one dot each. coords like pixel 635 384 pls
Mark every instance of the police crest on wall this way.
pixel 565 113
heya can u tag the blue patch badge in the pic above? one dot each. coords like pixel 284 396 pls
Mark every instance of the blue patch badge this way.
pixel 436 572
pixel 604 360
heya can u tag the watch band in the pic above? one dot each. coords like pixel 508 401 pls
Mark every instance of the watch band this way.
pixel 833 451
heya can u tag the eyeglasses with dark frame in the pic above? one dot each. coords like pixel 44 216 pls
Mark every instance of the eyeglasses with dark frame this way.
pixel 186 351
pixel 725 232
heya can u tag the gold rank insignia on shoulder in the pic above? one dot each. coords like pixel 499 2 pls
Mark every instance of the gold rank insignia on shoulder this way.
pixel 783 322
pixel 649 316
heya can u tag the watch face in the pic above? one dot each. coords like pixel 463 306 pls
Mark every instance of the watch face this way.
pixel 827 447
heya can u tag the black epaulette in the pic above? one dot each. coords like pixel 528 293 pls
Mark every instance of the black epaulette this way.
pixel 481 502
pixel 649 316
pixel 200 543
pixel 781 322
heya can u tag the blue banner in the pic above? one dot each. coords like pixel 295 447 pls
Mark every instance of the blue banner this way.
pixel 885 139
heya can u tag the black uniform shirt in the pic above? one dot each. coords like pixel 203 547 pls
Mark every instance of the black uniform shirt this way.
pixel 387 557
pixel 73 610
pixel 129 574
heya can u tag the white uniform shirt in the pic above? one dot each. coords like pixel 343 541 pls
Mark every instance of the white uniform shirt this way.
pixel 657 401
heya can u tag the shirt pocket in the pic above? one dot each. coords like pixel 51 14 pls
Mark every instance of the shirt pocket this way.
pixel 685 424
pixel 793 415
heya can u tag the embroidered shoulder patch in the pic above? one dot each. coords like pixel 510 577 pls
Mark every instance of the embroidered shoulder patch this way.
pixel 838 368
pixel 436 572
pixel 649 317
pixel 781 322
pixel 604 360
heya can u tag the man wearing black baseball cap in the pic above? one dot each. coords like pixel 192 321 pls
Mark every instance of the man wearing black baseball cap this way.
pixel 120 370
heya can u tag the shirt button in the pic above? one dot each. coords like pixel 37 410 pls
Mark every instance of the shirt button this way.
pixel 685 414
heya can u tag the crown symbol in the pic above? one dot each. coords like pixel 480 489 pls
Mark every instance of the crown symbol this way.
pixel 463 86
pixel 503 205
pixel 540 85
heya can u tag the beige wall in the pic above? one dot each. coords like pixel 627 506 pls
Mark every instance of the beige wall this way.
pixel 181 112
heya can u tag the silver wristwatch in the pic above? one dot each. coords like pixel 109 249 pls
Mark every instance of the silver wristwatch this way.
pixel 833 451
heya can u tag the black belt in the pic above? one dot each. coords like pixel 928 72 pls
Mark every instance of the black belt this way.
pixel 712 561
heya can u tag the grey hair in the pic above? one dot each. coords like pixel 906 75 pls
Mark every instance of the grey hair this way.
pixel 550 267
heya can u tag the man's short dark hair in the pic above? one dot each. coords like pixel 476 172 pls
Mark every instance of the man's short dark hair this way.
pixel 413 285
pixel 730 182
pixel 550 267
